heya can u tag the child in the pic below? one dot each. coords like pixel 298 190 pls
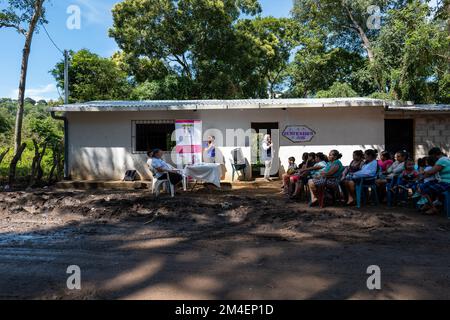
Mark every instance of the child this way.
pixel 409 176
pixel 292 167
pixel 385 162
pixel 429 164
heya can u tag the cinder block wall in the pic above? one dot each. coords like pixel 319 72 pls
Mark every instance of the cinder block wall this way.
pixel 431 131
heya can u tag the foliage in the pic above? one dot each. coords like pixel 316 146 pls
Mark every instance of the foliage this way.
pixel 37 125
pixel 195 39
pixel 413 55
pixel 92 77
pixel 18 13
pixel 338 89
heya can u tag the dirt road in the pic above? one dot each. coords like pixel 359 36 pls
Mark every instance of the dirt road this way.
pixel 249 243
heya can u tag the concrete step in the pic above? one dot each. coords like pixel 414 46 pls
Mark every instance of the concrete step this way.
pixel 109 185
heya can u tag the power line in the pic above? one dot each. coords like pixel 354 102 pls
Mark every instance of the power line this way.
pixel 50 38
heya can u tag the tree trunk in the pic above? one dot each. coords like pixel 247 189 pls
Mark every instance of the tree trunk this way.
pixel 40 172
pixel 36 168
pixel 23 74
pixel 34 163
pixel 362 35
pixel 13 165
pixel 3 154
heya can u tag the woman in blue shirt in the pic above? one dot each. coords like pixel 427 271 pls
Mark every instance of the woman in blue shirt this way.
pixel 368 170
pixel 329 177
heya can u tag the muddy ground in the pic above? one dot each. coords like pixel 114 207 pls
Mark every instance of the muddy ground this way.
pixel 245 243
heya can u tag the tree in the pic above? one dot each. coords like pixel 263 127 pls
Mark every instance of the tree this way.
pixel 195 39
pixel 92 77
pixel 6 124
pixel 413 55
pixel 316 67
pixel 23 16
pixel 273 41
pixel 45 134
pixel 346 22
pixel 337 90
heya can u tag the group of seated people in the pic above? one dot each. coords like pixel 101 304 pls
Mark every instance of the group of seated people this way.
pixel 427 180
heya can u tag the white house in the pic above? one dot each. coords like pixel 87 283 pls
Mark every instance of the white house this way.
pixel 106 138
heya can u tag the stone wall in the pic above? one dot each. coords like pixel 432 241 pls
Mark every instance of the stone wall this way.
pixel 431 131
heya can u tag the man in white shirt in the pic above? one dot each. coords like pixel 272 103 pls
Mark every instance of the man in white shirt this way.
pixel 163 170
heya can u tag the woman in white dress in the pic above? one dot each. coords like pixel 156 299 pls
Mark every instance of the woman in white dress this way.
pixel 267 155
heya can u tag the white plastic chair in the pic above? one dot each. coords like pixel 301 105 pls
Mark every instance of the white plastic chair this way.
pixel 158 183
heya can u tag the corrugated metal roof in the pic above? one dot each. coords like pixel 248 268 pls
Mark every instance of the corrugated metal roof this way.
pixel 422 108
pixel 220 104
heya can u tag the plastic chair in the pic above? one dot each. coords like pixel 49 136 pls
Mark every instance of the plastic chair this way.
pixel 447 203
pixel 158 183
pixel 362 186
pixel 238 163
pixel 238 168
pixel 392 196
pixel 322 191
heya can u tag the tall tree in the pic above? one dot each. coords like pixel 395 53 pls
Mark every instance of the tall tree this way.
pixel 273 41
pixel 350 24
pixel 93 77
pixel 196 39
pixel 413 54
pixel 23 16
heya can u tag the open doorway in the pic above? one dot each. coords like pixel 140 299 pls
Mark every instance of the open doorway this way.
pixel 399 135
pixel 260 129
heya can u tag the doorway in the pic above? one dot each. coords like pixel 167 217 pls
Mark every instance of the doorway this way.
pixel 260 129
pixel 399 135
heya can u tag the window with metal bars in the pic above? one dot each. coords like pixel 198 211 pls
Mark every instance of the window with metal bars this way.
pixel 151 134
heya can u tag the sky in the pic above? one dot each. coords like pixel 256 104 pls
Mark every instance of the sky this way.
pixel 96 19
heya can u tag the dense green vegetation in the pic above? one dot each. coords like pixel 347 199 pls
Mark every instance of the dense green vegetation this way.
pixel 196 49
pixel 41 133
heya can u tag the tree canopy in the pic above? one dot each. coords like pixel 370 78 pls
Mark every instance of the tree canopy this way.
pixel 198 49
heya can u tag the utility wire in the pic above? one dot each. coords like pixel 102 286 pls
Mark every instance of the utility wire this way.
pixel 50 38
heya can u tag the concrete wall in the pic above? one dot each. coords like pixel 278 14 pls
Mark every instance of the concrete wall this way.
pixel 100 145
pixel 431 131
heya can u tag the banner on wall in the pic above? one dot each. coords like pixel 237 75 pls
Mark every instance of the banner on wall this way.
pixel 189 141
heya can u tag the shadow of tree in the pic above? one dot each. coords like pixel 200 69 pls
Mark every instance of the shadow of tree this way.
pixel 226 246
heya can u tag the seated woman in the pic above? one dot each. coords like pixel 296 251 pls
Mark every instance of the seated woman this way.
pixel 368 170
pixel 398 166
pixel 385 162
pixel 315 163
pixel 434 188
pixel 328 177
pixel 162 168
pixel 355 165
pixel 389 179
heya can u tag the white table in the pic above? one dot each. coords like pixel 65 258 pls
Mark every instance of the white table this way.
pixel 206 172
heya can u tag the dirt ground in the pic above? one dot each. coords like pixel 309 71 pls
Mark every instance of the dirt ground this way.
pixel 245 243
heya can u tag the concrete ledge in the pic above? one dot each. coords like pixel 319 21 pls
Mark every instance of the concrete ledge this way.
pixel 112 185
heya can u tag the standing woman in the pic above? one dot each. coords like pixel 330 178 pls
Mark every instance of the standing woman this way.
pixel 267 155
pixel 209 154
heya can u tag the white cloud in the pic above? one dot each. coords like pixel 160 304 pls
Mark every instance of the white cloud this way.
pixel 41 93
pixel 95 12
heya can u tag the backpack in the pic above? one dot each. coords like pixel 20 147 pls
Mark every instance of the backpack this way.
pixel 130 175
